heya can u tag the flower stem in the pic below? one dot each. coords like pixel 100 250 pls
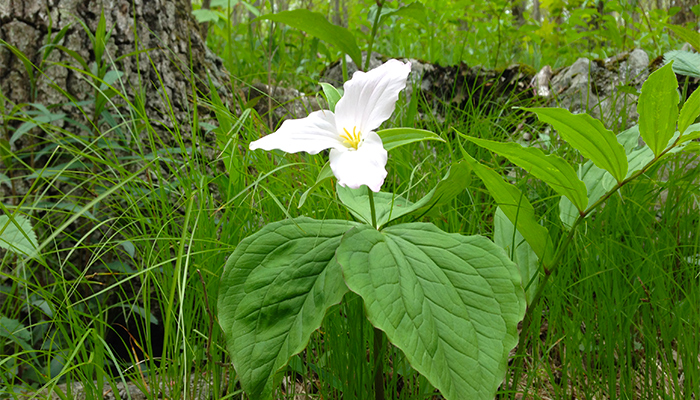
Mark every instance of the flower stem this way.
pixel 375 25
pixel 378 359
pixel 370 194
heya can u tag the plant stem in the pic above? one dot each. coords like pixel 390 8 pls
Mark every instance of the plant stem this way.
pixel 553 266
pixel 370 194
pixel 375 25
pixel 378 370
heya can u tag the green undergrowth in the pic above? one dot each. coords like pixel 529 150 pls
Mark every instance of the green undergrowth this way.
pixel 133 237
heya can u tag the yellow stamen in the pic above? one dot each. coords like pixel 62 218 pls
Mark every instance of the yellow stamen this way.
pixel 353 139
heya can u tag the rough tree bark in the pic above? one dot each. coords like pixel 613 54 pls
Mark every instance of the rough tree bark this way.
pixel 173 52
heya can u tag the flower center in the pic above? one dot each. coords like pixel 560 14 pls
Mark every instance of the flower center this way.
pixel 353 139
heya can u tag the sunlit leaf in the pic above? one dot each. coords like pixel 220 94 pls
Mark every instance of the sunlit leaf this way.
pixel 396 137
pixel 588 136
pixel 551 169
pixel 690 111
pixel 658 108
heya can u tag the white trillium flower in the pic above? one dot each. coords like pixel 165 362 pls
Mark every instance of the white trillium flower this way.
pixel 357 153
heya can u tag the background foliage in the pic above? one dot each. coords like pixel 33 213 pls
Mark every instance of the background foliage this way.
pixel 132 240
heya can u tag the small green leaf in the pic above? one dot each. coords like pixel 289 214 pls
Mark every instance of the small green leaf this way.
pixel 451 303
pixel 15 331
pixel 689 112
pixel 332 94
pixel 516 207
pixel 519 250
pixel 274 293
pixel 595 180
pixel 457 179
pixel 691 133
pixel 17 235
pixel 689 35
pixel 396 137
pixel 658 108
pixel 629 139
pixel 589 136
pixel 415 11
pixel 551 169
pixel 204 15
pixel 37 121
pixel 315 24
pixel 326 173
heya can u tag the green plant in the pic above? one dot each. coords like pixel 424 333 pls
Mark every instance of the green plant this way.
pixel 422 287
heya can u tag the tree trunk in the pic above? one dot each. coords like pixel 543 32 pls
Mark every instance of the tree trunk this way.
pixel 172 55
pixel 685 14
pixel 518 10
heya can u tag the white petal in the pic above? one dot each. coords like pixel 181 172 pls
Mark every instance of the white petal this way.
pixel 369 98
pixel 364 166
pixel 311 134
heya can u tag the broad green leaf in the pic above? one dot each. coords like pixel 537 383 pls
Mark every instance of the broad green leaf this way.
pixel 451 303
pixel 332 94
pixel 5 180
pixel 396 137
pixel 690 111
pixel 519 250
pixel 588 136
pixel 516 207
pixel 326 173
pixel 457 179
pixel 387 206
pixel 17 235
pixel 315 24
pixel 688 35
pixel 274 293
pixel 684 62
pixel 551 169
pixel 658 108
